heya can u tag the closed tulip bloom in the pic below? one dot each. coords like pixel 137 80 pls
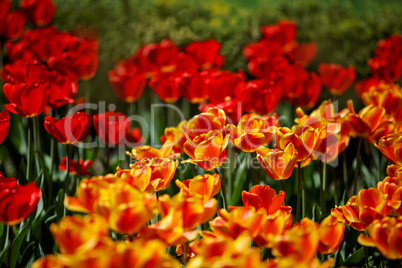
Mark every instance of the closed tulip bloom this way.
pixel 391 147
pixel 209 151
pixel 277 163
pixel 27 101
pixel 303 54
pixel 206 186
pixel 221 85
pixel 165 85
pixel 239 221
pixel 17 201
pixel 127 86
pixel 253 131
pixel 70 129
pixel 70 237
pixel 4 125
pixel 260 96
pixel 192 86
pixel 335 78
pixel 12 25
pixel 174 137
pixel 299 243
pixel 39 12
pixel 263 196
pixel 386 236
pixel 283 33
pixel 206 53
pixel 83 165
pixel 330 233
pixel 275 224
pixel 111 127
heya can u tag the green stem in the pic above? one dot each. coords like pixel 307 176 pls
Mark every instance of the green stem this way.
pixel 336 185
pixel 185 108
pixel 255 178
pixel 29 158
pixel 157 200
pixel 283 189
pixel 298 191
pixel 303 195
pixel 345 172
pixel 366 256
pixel 324 186
pixel 232 160
pixel 357 164
pixel 67 180
pixel 10 243
pixel 78 165
pixel 223 188
pixel 107 168
pixel 52 157
pixel 379 166
pixel 185 255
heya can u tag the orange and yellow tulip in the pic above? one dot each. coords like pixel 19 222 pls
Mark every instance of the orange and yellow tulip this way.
pixel 253 131
pixel 206 186
pixel 263 196
pixel 277 163
pixel 330 234
pixel 386 236
pixel 391 147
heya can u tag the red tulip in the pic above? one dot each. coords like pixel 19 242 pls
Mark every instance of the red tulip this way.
pixel 206 53
pixel 4 125
pixel 17 201
pixel 111 127
pixel 263 196
pixel 271 68
pixel 260 96
pixel 62 90
pixel 39 12
pixel 26 100
pixel 4 8
pixel 70 129
pixel 192 86
pixel 127 85
pixel 283 34
pixel 12 25
pixel 303 54
pixel 222 85
pixel 84 166
pixel 300 87
pixel 165 86
pixel 335 78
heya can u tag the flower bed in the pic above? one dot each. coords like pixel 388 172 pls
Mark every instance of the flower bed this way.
pixel 223 169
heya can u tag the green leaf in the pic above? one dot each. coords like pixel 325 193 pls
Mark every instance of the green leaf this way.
pixel 59 204
pixel 355 258
pixel 16 245
pixel 240 179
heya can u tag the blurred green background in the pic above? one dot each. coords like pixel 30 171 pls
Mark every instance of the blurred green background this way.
pixel 346 32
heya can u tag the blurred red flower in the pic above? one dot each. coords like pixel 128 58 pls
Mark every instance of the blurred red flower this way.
pixel 84 166
pixel 39 12
pixel 4 125
pixel 335 78
pixel 111 127
pixel 70 129
pixel 17 201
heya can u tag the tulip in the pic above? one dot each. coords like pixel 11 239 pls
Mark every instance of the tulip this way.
pixel 283 34
pixel 206 186
pixel 111 127
pixel 83 166
pixel 17 201
pixel 128 86
pixel 386 236
pixel 174 137
pixel 192 86
pixel 303 54
pixel 260 96
pixel 70 129
pixel 206 53
pixel 253 131
pixel 330 233
pixel 361 210
pixel 39 12
pixel 277 163
pixel 208 151
pixel 12 25
pixel 165 85
pixel 240 220
pixel 263 196
pixel 4 125
pixel 336 78
pixel 222 85
pixel 272 67
pixel 299 243
pixel 69 235
pixel 27 101
pixel 391 147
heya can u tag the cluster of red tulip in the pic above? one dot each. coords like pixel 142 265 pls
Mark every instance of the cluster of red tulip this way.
pixel 131 220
